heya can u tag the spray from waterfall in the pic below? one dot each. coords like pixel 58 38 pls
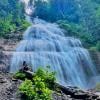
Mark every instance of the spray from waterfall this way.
pixel 45 44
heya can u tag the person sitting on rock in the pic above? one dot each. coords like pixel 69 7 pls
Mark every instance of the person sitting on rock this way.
pixel 25 67
pixel 26 70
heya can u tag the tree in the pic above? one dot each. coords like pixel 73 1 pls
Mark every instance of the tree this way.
pixel 11 16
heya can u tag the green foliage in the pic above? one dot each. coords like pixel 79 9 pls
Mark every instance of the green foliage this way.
pixel 41 9
pixel 36 91
pixel 39 88
pixel 20 75
pixel 97 88
pixel 98 46
pixel 54 10
pixel 24 24
pixel 71 29
pixel 11 17
pixel 6 26
pixel 48 78
pixel 93 49
pixel 76 30
pixel 81 18
pixel 27 89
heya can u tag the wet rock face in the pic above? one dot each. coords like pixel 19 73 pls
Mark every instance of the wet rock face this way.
pixel 7 47
pixel 8 44
pixel 4 62
pixel 96 59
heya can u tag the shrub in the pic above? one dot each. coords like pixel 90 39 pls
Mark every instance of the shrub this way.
pixel 12 17
pixel 39 88
pixel 20 75
pixel 48 77
pixel 77 31
pixel 24 24
pixel 26 89
pixel 97 87
pixel 36 91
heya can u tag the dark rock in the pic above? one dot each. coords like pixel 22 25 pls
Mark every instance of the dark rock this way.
pixel 76 93
pixel 7 46
pixel 8 88
pixel 3 80
pixel 27 70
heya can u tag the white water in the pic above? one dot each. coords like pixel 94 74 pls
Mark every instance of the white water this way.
pixel 45 44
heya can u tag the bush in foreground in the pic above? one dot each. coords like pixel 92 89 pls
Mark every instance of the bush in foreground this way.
pixel 40 87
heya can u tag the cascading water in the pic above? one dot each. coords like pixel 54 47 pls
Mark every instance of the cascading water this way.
pixel 45 44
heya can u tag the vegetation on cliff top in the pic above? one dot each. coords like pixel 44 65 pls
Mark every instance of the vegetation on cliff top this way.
pixel 80 18
pixel 11 17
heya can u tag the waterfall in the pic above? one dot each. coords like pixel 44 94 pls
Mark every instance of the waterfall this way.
pixel 29 9
pixel 45 44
